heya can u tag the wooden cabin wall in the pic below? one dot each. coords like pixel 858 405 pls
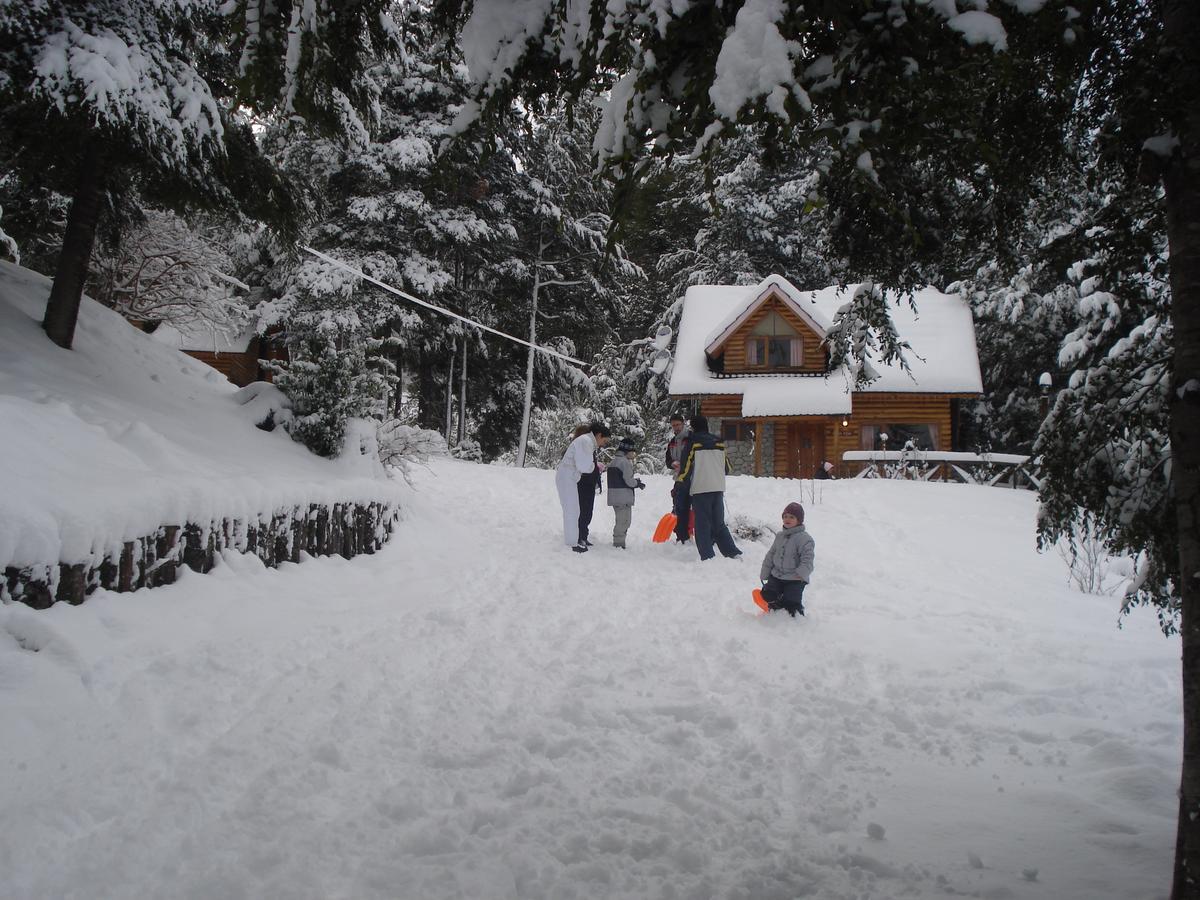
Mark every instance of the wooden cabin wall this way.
pixel 240 368
pixel 833 438
pixel 871 409
pixel 721 406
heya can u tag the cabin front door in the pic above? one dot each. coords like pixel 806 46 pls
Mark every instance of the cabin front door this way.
pixel 806 449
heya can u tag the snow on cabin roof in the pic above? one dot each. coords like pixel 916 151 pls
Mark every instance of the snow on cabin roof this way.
pixel 201 337
pixel 943 359
pixel 803 306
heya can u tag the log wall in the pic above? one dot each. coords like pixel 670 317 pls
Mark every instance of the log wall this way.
pixel 345 529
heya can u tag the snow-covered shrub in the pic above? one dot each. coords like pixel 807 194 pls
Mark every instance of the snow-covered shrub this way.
pixel 401 445
pixel 265 405
pixel 468 450
pixel 1092 569
pixel 749 528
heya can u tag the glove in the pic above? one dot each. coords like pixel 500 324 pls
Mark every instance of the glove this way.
pixel 639 485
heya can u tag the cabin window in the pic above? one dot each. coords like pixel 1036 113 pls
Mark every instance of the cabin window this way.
pixel 737 430
pixel 774 352
pixel 923 437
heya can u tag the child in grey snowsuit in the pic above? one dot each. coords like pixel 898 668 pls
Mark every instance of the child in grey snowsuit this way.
pixel 621 484
pixel 788 566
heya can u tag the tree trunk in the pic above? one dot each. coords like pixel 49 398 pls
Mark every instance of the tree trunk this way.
pixel 62 309
pixel 462 396
pixel 450 394
pixel 533 307
pixel 398 407
pixel 428 405
pixel 1181 40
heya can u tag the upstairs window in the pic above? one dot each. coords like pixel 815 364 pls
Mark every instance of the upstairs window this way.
pixel 775 352
pixel 774 344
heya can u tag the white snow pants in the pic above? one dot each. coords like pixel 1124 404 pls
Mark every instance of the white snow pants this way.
pixel 568 496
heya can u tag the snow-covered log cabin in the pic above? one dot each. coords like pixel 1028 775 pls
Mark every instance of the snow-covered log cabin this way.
pixel 237 355
pixel 754 361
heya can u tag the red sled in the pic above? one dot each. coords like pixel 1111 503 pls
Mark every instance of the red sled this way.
pixel 666 526
pixel 759 600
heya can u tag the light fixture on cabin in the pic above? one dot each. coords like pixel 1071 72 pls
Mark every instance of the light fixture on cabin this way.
pixel 845 423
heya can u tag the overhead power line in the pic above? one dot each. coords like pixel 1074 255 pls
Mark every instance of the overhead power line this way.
pixel 399 293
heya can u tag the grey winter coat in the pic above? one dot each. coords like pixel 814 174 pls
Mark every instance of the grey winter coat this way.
pixel 621 479
pixel 791 557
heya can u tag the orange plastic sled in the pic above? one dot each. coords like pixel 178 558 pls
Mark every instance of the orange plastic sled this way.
pixel 759 600
pixel 666 527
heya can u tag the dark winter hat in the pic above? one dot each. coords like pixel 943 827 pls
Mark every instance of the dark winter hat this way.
pixel 625 446
pixel 699 423
pixel 794 509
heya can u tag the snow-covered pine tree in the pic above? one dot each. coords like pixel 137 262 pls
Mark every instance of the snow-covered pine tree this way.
pixel 166 89
pixel 409 209
pixel 757 212
pixel 573 269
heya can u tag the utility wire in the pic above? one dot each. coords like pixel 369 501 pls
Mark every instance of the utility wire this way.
pixel 399 293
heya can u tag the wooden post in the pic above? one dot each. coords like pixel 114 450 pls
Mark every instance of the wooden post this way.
pixel 758 434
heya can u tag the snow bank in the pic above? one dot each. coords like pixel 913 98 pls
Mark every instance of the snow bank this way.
pixel 107 442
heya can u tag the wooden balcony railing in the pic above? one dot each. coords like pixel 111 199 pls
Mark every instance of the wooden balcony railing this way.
pixel 991 469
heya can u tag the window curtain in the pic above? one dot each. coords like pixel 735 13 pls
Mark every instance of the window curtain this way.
pixel 797 353
pixel 753 352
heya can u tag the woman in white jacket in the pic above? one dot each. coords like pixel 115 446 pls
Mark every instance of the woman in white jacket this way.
pixel 579 460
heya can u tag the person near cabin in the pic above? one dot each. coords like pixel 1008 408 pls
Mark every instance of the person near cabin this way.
pixel 788 565
pixel 677 448
pixel 622 482
pixel 824 471
pixel 703 478
pixel 578 461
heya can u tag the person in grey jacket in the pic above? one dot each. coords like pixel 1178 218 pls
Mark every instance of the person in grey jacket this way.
pixel 788 566
pixel 622 482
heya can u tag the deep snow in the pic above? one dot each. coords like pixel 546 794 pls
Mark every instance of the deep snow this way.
pixel 475 712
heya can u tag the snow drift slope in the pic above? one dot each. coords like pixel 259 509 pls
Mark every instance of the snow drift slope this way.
pixel 477 713
pixel 106 442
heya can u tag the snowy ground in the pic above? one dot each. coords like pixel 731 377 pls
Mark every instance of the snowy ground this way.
pixel 477 713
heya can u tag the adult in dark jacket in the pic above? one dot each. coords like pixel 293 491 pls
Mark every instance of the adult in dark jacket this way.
pixel 703 476
pixel 677 450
